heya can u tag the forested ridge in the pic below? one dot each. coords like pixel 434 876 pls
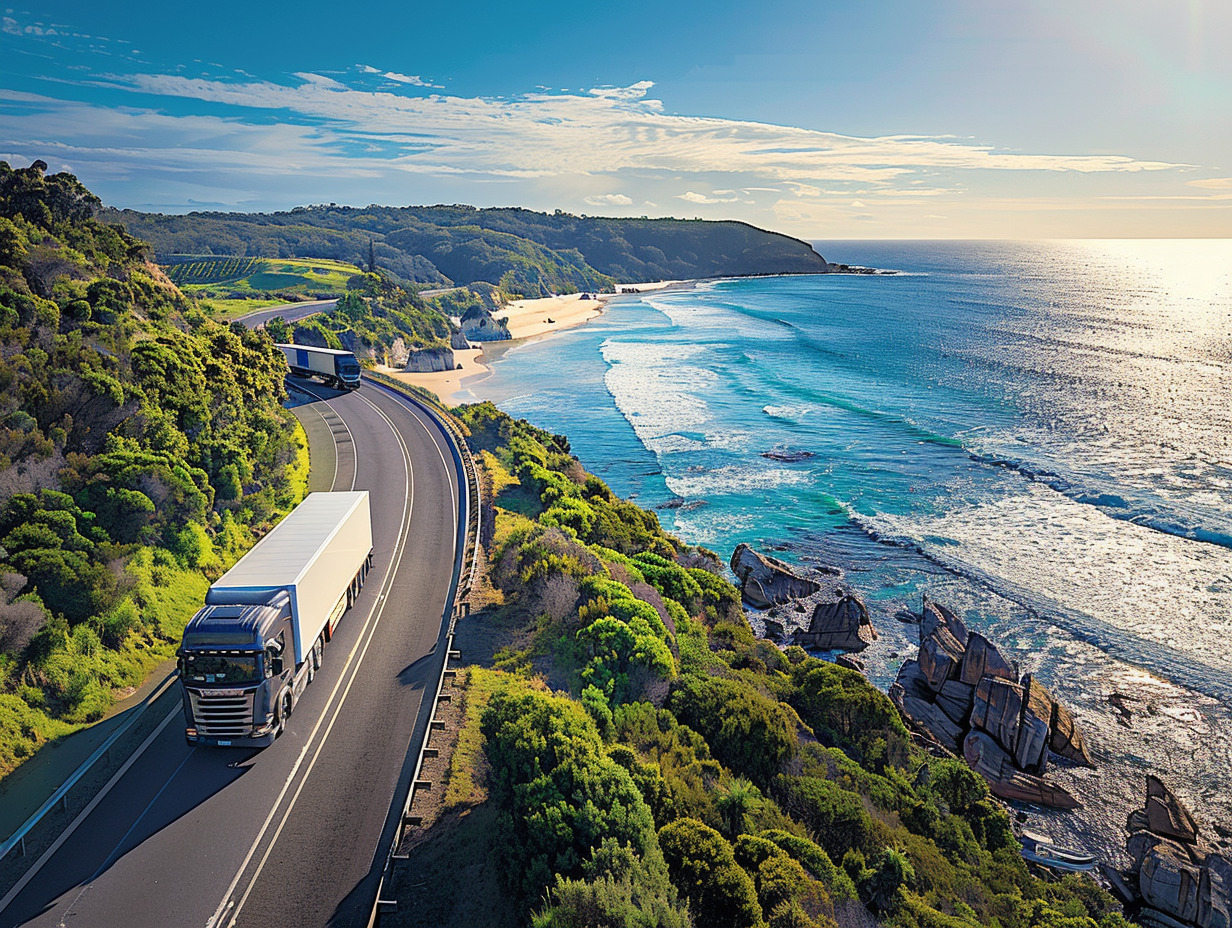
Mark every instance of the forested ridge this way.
pixel 631 755
pixel 142 448
pixel 525 253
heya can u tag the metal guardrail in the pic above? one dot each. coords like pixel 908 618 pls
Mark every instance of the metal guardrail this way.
pixel 466 578
pixel 18 838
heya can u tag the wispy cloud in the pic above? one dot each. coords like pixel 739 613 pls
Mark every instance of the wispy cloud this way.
pixel 606 130
pixel 414 80
pixel 608 199
pixel 171 141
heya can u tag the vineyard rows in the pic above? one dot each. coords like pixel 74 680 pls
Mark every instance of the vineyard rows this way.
pixel 213 270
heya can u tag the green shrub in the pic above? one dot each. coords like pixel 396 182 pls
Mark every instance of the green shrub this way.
pixel 704 870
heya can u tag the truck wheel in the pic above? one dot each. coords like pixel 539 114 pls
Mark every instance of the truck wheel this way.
pixel 283 713
pixel 317 650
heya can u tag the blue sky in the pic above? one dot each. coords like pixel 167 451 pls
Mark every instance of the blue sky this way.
pixel 885 119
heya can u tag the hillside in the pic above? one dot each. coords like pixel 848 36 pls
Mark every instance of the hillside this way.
pixel 628 754
pixel 142 448
pixel 528 253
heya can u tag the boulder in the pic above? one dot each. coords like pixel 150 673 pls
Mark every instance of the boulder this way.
pixel 842 625
pixel 1168 880
pixel 1166 815
pixel 483 328
pixel 936 615
pixel 429 360
pixel 956 699
pixel 458 342
pixel 941 657
pixel 1181 883
pixel 1215 893
pixel 997 710
pixel 984 659
pixel 927 717
pixel 1065 738
pixel 1031 748
pixel 851 662
pixel 986 758
pixel 767 581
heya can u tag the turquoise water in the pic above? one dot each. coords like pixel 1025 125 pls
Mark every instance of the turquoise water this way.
pixel 1038 434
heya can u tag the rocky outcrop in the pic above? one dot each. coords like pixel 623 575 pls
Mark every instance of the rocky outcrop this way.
pixel 483 328
pixel 811 608
pixel 985 757
pixel 843 625
pixel 767 581
pixel 458 341
pixel 1174 878
pixel 429 360
pixel 965 694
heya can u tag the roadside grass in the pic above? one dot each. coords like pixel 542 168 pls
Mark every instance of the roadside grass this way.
pixel 226 309
pixel 465 780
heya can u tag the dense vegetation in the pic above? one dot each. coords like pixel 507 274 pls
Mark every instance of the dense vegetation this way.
pixel 141 446
pixel 648 762
pixel 526 253
pixel 376 318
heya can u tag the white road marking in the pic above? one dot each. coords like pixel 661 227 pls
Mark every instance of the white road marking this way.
pixel 369 631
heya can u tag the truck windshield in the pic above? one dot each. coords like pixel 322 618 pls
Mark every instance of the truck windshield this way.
pixel 348 365
pixel 222 668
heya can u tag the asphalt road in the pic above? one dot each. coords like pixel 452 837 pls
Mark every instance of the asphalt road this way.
pixel 291 835
pixel 291 312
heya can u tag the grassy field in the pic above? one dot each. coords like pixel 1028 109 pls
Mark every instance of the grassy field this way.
pixel 226 309
pixel 224 279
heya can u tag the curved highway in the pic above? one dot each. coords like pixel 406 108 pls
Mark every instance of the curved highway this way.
pixel 292 835
pixel 290 312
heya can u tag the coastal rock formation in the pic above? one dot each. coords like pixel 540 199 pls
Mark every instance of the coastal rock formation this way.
pixel 843 625
pixel 428 360
pixel 458 342
pixel 837 619
pixel 986 758
pixel 767 581
pixel 479 326
pixel 1174 877
pixel 966 695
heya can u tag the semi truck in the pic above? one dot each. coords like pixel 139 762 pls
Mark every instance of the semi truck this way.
pixel 248 654
pixel 340 368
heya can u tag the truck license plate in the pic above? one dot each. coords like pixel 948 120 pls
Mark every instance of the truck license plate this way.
pixel 224 744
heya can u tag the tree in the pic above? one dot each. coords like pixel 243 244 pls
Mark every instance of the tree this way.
pixel 703 867
pixel 371 257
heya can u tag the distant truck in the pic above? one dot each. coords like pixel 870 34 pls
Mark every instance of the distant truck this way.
pixel 337 367
pixel 246 657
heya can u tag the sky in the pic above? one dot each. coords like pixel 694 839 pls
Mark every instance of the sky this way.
pixel 883 119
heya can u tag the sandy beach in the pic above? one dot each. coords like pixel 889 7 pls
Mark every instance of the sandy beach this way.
pixel 526 319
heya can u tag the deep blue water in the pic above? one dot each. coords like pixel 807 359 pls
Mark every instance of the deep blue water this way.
pixel 1038 434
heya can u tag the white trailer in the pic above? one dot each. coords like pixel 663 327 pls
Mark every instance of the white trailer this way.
pixel 338 367
pixel 246 657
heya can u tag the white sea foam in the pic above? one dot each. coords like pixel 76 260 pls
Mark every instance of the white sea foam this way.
pixel 733 478
pixel 789 413
pixel 1148 595
pixel 658 391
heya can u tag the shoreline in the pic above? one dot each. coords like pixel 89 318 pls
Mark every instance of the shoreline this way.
pixel 528 321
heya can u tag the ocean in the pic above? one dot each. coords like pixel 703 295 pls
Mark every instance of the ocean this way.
pixel 1037 434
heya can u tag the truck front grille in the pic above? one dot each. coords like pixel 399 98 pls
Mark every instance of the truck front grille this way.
pixel 222 714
